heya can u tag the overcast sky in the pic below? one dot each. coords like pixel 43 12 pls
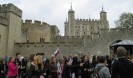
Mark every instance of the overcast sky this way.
pixel 54 12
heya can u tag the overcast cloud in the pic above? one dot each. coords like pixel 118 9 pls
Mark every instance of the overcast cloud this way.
pixel 54 12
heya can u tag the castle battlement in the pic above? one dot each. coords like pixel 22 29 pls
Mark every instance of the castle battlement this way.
pixel 3 21
pixel 72 37
pixel 88 20
pixel 48 44
pixel 11 8
pixel 28 21
pixel 36 23
pixel 116 30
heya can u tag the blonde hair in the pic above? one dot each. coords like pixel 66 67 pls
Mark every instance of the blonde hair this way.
pixel 36 62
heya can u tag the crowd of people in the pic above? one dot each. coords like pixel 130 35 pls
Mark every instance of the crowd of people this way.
pixel 84 66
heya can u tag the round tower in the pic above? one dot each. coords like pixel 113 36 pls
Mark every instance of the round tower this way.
pixel 103 15
pixel 71 22
pixel 66 27
pixel 103 18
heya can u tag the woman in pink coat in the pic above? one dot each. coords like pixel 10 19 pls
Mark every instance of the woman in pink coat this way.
pixel 12 68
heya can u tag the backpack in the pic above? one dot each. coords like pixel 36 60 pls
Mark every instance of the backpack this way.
pixel 96 72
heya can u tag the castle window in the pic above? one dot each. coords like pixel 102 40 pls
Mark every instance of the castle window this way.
pixel 35 45
pixel 20 45
pixel 79 26
pixel 82 26
pixel 75 26
pixel 84 32
pixel 91 27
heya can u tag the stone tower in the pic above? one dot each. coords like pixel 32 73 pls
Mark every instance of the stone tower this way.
pixel 103 19
pixel 85 27
pixel 13 16
pixel 66 28
pixel 71 22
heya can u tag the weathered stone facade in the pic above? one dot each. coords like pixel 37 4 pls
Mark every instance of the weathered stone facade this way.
pixel 85 27
pixel 14 30
pixel 74 45
pixel 29 37
pixel 38 31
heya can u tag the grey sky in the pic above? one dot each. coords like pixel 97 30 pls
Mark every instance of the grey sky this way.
pixel 54 12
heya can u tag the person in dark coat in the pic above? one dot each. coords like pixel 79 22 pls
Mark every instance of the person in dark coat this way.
pixel 46 67
pixel 66 69
pixel 122 68
pixel 53 68
pixel 75 71
pixel 36 69
pixel 87 68
pixel 94 61
pixel 1 69
pixel 21 63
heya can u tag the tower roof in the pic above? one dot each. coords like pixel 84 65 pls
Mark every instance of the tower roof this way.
pixel 66 21
pixel 102 9
pixel 71 10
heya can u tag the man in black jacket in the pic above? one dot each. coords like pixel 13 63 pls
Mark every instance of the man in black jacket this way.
pixel 122 68
pixel 21 63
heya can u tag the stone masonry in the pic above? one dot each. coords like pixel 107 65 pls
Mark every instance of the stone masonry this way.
pixel 81 35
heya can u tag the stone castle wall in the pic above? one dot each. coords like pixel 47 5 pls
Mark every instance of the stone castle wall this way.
pixel 12 18
pixel 3 21
pixel 3 39
pixel 10 8
pixel 36 30
pixel 86 27
pixel 93 46
pixel 14 34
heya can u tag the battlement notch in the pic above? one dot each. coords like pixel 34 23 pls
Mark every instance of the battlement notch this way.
pixel 11 8
pixel 36 22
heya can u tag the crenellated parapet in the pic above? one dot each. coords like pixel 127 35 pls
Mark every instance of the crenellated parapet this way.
pixel 88 20
pixel 35 23
pixel 10 8
pixel 119 30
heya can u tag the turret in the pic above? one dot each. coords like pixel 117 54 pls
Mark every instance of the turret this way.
pixel 103 18
pixel 66 27
pixel 103 15
pixel 71 22
pixel 13 14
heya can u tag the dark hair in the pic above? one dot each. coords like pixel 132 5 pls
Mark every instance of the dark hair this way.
pixel 75 60
pixel 101 59
pixel 38 54
pixel 121 51
pixel 17 54
pixel 66 60
pixel 10 58
pixel 42 54
pixel 94 58
pixel 31 58
pixel 82 60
